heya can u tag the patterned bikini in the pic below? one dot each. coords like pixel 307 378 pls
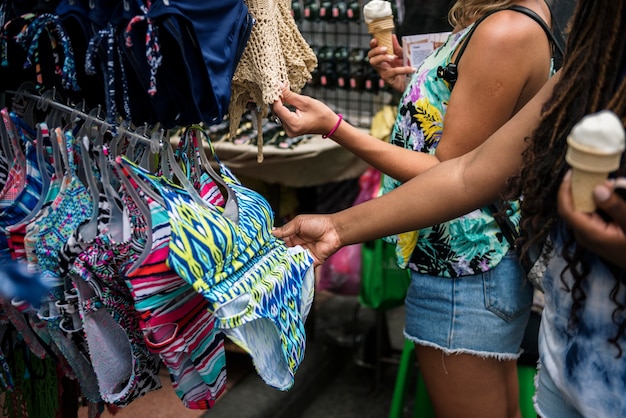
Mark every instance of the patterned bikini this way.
pixel 259 290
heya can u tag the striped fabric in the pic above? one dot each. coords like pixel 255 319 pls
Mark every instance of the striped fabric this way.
pixel 24 201
pixel 176 321
pixel 259 290
pixel 125 368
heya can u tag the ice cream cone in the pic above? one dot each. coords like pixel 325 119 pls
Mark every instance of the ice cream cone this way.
pixel 590 167
pixel 382 30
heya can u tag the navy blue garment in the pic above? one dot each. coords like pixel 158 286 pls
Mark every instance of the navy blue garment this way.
pixel 74 15
pixel 202 43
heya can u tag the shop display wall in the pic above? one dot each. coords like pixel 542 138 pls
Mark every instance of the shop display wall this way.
pixel 343 79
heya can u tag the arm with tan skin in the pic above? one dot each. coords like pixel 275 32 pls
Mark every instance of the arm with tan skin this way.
pixel 446 191
pixel 607 239
pixel 504 65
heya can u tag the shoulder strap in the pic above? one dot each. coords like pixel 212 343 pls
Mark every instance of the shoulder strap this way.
pixel 557 44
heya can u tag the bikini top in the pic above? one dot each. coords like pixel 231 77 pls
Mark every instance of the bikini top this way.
pixel 207 245
pixel 71 207
pixel 28 198
pixel 234 261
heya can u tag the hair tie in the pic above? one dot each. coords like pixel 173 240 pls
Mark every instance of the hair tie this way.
pixel 332 131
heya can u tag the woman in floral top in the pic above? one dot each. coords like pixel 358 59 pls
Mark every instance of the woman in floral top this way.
pixel 469 301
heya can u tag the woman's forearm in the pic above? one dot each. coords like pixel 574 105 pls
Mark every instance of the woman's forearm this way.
pixel 449 189
pixel 399 163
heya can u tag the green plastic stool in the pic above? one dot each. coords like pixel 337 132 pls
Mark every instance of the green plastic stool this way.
pixel 526 378
pixel 424 409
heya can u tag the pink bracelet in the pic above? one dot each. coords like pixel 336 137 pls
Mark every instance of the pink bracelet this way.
pixel 332 131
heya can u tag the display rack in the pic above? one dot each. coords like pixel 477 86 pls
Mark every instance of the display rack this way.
pixel 343 79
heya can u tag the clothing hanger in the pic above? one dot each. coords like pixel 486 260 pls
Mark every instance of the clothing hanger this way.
pixel 43 168
pixel 6 147
pixel 231 207
pixel 90 229
pixel 117 214
pixel 12 134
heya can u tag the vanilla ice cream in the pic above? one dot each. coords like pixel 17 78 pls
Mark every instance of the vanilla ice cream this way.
pixel 376 9
pixel 379 19
pixel 595 146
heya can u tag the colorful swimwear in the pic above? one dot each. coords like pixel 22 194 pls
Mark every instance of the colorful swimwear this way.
pixel 26 200
pixel 126 370
pixel 16 176
pixel 71 207
pixel 259 290
pixel 175 319
pixel 15 232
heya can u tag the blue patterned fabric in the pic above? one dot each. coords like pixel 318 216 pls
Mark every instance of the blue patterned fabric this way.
pixel 587 368
pixel 259 290
pixel 28 197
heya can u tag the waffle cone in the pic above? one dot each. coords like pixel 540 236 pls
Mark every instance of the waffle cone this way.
pixel 382 30
pixel 589 168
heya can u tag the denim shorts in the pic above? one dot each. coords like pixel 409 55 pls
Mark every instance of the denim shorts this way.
pixel 483 314
pixel 549 402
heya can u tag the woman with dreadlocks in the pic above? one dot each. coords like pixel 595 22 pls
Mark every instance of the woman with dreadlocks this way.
pixel 583 331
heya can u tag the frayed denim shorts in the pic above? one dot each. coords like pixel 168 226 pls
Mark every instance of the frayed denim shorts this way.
pixel 483 314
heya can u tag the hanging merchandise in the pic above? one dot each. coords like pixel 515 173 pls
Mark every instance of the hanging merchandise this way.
pixel 152 61
pixel 259 290
pixel 148 256
pixel 276 56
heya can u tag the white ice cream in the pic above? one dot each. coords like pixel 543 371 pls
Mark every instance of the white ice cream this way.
pixel 602 131
pixel 376 9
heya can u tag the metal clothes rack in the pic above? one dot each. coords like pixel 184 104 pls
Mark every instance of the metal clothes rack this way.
pixel 156 140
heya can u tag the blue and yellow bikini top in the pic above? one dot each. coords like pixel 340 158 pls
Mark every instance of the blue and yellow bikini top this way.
pixel 230 256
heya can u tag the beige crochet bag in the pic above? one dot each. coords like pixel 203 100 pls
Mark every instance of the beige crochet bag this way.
pixel 276 55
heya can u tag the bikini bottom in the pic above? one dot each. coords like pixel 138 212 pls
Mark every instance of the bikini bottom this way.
pixel 264 310
pixel 125 368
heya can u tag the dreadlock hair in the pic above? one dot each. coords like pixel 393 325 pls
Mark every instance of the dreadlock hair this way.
pixel 591 80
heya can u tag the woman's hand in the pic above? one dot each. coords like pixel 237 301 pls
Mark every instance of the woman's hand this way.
pixel 316 233
pixel 389 64
pixel 606 239
pixel 310 116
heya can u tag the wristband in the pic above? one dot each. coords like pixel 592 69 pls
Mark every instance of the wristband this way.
pixel 332 131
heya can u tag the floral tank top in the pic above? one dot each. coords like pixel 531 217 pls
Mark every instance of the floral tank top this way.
pixel 472 243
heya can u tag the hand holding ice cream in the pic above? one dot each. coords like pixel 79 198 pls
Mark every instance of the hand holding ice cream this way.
pixel 379 19
pixel 595 147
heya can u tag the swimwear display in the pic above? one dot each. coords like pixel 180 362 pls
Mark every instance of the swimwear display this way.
pixel 143 271
pixel 147 257
pixel 259 290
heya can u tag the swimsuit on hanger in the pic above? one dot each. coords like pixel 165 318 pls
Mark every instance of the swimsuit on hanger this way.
pixel 126 370
pixel 259 290
pixel 16 177
pixel 46 236
pixel 16 231
pixel 26 199
pixel 176 320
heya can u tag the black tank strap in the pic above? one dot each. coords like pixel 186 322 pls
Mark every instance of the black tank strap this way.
pixel 556 42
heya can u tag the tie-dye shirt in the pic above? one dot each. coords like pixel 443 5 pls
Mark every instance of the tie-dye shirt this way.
pixel 581 361
pixel 467 245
